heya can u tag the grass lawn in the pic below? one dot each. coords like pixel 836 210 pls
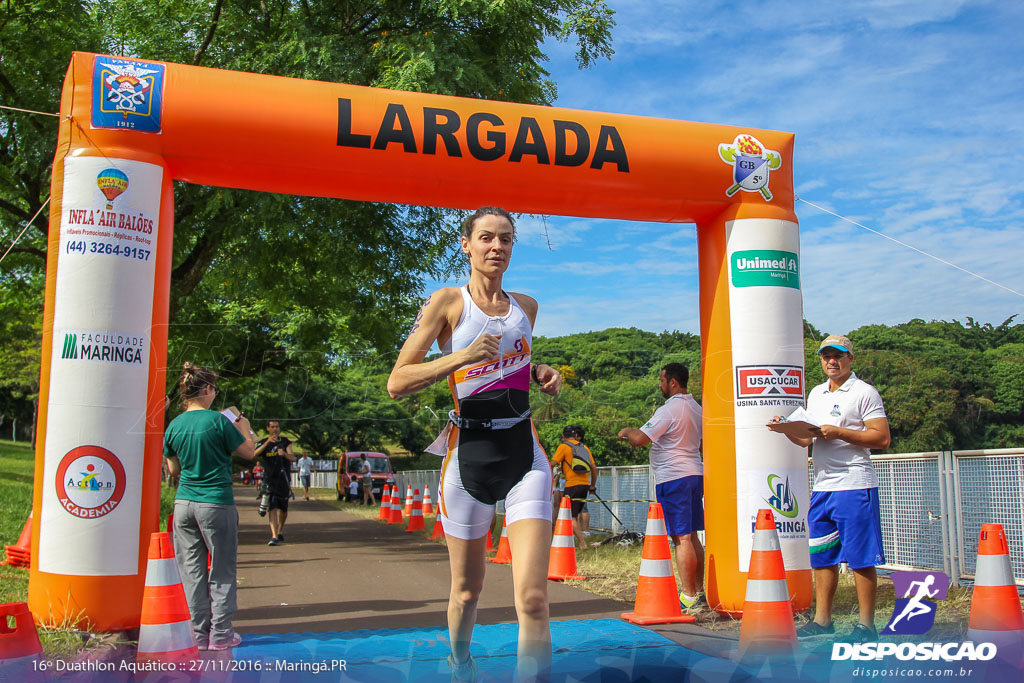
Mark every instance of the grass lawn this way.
pixel 17 464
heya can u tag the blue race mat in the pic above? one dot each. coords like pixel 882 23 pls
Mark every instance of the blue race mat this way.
pixel 605 650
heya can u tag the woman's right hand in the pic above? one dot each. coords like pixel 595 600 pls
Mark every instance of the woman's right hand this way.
pixel 484 348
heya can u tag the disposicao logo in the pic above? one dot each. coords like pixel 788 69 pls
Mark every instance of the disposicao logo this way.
pixel 914 613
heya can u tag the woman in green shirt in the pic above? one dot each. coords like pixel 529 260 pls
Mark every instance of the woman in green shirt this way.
pixel 198 445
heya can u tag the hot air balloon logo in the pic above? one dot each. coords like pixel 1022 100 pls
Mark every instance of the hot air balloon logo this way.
pixel 112 183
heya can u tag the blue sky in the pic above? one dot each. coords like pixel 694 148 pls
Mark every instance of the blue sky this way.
pixel 909 118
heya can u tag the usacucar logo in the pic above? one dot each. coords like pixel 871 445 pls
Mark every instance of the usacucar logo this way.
pixel 769 380
pixel 751 164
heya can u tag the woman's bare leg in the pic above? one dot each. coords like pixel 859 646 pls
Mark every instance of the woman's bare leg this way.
pixel 468 561
pixel 530 542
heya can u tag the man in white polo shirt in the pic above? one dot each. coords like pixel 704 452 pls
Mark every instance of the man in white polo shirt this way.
pixel 845 524
pixel 674 432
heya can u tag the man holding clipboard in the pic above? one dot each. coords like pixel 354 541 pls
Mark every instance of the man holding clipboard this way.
pixel 844 420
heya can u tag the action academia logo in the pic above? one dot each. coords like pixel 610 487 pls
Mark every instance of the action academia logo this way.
pixel 751 164
pixel 90 482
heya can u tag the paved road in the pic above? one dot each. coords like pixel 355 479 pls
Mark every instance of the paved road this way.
pixel 339 572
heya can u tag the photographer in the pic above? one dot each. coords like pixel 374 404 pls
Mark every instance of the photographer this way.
pixel 276 453
pixel 579 471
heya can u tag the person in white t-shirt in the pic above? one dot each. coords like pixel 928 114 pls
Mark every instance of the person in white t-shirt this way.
pixel 674 432
pixel 843 518
pixel 305 474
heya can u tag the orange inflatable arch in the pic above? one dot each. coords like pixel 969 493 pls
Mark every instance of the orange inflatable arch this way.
pixel 129 127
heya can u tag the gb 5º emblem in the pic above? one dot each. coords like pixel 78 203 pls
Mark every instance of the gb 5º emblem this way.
pixel 751 164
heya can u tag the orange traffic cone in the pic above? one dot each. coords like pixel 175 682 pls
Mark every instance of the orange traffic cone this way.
pixel 396 510
pixel 562 559
pixel 20 649
pixel 407 510
pixel 428 504
pixel 165 634
pixel 385 504
pixel 657 601
pixel 995 604
pixel 416 517
pixel 438 532
pixel 767 625
pixel 20 554
pixel 504 555
pixel 490 542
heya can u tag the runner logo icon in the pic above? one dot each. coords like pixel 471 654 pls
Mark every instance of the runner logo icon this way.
pixel 914 612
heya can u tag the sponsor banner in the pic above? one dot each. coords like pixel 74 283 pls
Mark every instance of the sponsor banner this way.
pixel 765 268
pixel 787 494
pixel 768 380
pixel 103 346
pixel 127 94
pixel 99 368
pixel 770 385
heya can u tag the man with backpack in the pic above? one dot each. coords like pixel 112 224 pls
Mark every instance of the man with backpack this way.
pixel 580 474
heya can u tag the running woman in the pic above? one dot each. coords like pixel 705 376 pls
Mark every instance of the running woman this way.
pixel 490 446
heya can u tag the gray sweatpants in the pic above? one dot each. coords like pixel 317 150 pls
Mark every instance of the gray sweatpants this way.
pixel 201 528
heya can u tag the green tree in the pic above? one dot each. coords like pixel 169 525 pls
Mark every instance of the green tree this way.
pixel 239 302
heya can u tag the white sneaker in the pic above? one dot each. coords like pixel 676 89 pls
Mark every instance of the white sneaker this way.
pixel 235 641
pixel 466 672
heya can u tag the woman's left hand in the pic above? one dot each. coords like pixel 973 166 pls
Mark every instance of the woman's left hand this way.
pixel 550 379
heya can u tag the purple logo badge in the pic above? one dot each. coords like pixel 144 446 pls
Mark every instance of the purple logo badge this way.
pixel 916 592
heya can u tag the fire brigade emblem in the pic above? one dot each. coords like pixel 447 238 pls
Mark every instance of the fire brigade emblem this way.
pixel 751 165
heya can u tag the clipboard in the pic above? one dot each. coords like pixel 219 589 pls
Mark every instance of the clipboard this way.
pixel 799 425
pixel 232 413
pixel 797 428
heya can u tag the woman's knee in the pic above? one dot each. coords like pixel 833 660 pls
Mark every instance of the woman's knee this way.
pixel 532 603
pixel 467 593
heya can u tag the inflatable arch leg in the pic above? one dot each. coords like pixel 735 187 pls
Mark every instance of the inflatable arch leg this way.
pixel 99 502
pixel 752 367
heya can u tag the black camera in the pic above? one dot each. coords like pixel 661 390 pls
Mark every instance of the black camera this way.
pixel 264 500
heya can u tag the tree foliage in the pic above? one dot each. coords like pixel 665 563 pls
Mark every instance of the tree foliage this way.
pixel 265 283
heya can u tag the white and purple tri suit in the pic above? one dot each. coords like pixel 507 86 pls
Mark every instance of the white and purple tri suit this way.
pixel 492 451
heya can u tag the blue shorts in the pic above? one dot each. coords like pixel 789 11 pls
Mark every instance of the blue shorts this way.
pixel 682 501
pixel 846 526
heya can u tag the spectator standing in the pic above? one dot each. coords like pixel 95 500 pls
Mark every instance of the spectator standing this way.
pixel 353 489
pixel 366 472
pixel 277 455
pixel 305 474
pixel 577 466
pixel 674 432
pixel 197 446
pixel 844 519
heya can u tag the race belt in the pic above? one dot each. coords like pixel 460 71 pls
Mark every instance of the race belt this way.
pixel 493 423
